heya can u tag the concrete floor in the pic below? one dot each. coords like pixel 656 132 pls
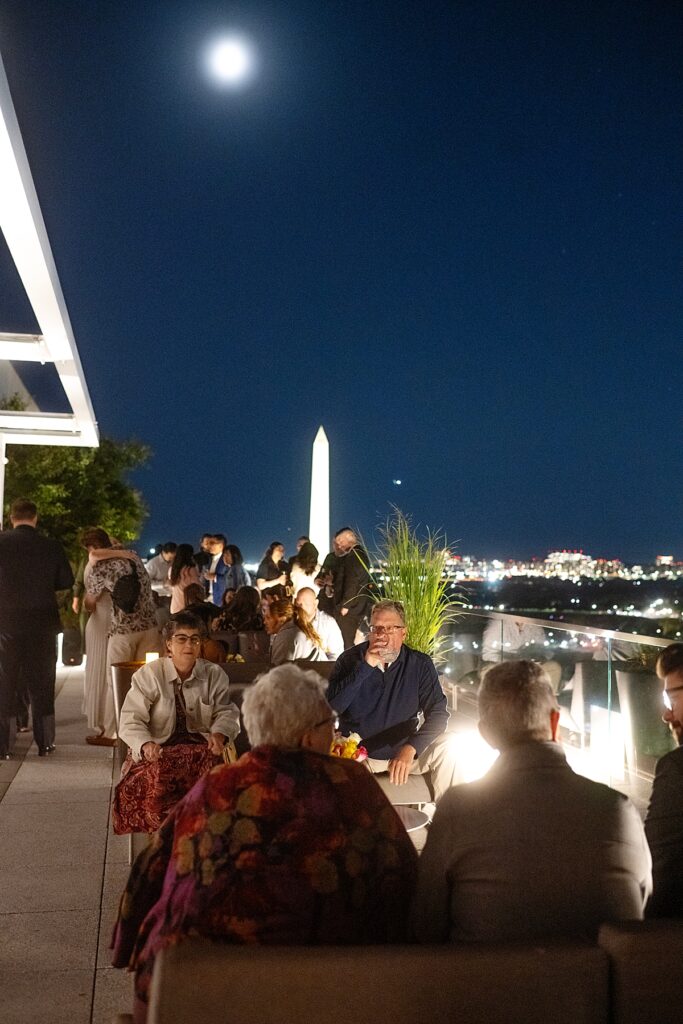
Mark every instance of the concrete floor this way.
pixel 62 875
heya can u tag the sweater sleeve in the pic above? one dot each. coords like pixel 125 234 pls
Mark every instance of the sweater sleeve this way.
pixel 349 674
pixel 433 705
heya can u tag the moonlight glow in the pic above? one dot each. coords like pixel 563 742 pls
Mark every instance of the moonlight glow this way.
pixel 230 61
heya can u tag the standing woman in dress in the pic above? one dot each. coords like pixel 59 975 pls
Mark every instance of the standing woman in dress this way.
pixel 182 574
pixel 271 575
pixel 96 636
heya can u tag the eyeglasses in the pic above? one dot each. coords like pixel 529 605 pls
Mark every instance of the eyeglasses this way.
pixel 666 698
pixel 183 638
pixel 381 630
pixel 330 720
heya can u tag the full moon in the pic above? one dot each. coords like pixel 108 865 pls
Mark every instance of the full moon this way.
pixel 230 60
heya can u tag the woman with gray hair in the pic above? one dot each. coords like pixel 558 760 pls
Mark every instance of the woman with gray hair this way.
pixel 288 846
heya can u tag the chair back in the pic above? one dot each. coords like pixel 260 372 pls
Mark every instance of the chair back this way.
pixel 121 675
pixel 254 645
pixel 228 637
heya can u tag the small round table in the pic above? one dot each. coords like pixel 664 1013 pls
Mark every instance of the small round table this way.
pixel 410 816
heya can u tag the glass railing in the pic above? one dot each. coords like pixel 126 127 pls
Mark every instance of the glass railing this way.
pixel 609 695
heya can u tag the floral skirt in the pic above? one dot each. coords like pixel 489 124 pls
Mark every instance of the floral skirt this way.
pixel 148 790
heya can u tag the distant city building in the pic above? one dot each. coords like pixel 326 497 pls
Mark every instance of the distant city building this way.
pixel 563 565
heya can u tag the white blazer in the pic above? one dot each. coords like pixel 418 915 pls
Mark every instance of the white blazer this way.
pixel 148 711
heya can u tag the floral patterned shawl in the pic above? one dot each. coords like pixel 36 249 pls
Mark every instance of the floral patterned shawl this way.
pixel 284 847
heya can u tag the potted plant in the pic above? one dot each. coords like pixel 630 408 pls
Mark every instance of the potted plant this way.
pixel 413 571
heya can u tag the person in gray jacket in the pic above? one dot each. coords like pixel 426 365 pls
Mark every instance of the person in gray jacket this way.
pixel 532 850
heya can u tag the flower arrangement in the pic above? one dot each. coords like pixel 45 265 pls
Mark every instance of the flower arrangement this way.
pixel 348 747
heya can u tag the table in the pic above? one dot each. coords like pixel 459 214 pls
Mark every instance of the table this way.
pixel 412 818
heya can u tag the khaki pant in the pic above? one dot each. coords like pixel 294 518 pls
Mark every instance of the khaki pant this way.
pixel 439 760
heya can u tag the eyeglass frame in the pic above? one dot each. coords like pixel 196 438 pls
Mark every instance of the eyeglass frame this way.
pixel 331 719
pixel 184 638
pixel 384 630
pixel 666 698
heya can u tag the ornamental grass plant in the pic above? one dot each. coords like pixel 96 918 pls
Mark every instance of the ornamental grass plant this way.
pixel 414 571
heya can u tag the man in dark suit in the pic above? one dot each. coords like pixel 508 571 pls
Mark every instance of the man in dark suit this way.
pixel 353 586
pixel 664 821
pixel 32 568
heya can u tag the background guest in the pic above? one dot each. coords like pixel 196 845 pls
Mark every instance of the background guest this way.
pixel 325 626
pixel 271 575
pixel 97 708
pixel 243 614
pixel 157 570
pixel 292 636
pixel 208 612
pixel 236 575
pixel 183 573
pixel 304 568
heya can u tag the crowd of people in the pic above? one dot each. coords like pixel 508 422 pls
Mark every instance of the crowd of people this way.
pixel 289 844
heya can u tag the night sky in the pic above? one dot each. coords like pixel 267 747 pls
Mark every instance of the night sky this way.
pixel 449 232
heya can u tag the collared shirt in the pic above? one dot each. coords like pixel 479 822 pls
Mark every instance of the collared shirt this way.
pixel 329 632
pixel 148 712
pixel 157 570
pixel 385 708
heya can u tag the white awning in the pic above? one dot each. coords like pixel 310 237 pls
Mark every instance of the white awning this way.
pixel 24 229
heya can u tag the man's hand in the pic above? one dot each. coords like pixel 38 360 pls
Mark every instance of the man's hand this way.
pixel 151 751
pixel 399 766
pixel 216 743
pixel 376 647
pixel 343 611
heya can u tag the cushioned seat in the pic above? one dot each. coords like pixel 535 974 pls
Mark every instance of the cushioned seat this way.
pixel 646 959
pixel 554 983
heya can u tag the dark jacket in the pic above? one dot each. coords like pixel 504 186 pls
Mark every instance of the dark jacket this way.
pixel 664 831
pixel 353 583
pixel 32 568
pixel 383 707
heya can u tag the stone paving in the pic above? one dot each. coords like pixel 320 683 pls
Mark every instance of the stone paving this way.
pixel 62 874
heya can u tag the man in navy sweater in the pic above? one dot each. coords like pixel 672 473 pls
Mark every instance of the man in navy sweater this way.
pixel 391 695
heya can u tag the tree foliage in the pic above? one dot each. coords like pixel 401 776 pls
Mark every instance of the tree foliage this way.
pixel 78 487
